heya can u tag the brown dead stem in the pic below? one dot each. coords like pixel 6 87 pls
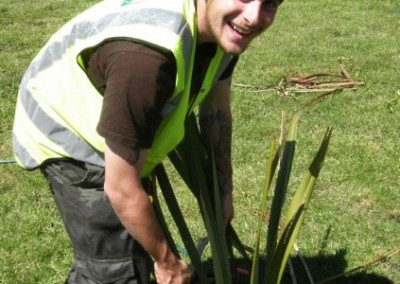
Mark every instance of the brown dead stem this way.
pixel 364 266
pixel 325 83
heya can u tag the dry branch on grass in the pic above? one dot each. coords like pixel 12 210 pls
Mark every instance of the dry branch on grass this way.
pixel 324 83
pixel 363 266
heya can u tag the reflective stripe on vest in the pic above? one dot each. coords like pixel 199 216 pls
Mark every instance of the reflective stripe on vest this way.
pixel 48 137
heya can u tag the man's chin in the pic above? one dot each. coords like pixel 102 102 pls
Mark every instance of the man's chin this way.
pixel 233 49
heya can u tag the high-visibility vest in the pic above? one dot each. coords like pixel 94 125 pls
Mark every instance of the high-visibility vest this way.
pixel 58 108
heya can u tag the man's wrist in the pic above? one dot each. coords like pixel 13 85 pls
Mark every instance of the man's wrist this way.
pixel 166 257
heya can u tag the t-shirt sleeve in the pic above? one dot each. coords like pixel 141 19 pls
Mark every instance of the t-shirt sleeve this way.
pixel 136 81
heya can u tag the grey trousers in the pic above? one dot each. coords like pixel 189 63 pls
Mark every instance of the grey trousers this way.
pixel 104 252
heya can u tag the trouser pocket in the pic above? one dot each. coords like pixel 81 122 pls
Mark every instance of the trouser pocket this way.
pixel 104 250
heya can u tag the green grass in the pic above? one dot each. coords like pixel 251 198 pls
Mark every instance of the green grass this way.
pixel 354 215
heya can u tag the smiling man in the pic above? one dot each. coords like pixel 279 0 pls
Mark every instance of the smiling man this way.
pixel 233 24
pixel 105 101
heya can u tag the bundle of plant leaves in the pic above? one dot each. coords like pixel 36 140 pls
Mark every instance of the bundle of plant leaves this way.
pixel 193 159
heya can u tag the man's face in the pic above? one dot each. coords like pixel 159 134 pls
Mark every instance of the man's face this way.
pixel 233 24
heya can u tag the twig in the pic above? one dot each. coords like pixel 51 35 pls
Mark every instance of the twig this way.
pixel 320 97
pixel 261 91
pixel 244 85
pixel 296 248
pixel 344 72
pixel 378 259
pixel 8 162
pixel 311 83
pixel 315 90
pixel 282 134
pixel 317 75
pixel 336 84
pixel 291 270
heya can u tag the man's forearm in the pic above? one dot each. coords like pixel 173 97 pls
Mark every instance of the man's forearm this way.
pixel 219 126
pixel 130 201
pixel 133 207
pixel 216 120
pixel 137 216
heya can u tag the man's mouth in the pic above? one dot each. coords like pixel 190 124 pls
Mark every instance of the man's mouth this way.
pixel 240 30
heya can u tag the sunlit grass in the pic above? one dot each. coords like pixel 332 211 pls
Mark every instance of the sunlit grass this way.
pixel 354 214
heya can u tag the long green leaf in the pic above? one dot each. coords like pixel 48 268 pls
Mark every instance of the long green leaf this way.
pixel 180 166
pixel 268 179
pixel 176 213
pixel 236 242
pixel 284 246
pixel 313 171
pixel 161 219
pixel 217 241
pixel 297 209
pixel 192 153
pixel 215 223
pixel 279 195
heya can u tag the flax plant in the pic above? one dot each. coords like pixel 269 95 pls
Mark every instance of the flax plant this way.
pixel 278 247
pixel 194 161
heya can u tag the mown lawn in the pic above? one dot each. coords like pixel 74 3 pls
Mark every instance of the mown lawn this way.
pixel 354 216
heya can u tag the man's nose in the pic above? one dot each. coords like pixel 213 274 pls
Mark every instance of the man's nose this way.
pixel 251 13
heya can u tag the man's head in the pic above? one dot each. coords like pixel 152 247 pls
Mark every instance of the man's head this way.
pixel 233 24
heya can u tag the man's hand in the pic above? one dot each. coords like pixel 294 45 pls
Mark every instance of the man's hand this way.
pixel 176 272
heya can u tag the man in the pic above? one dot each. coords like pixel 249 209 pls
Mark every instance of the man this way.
pixel 105 100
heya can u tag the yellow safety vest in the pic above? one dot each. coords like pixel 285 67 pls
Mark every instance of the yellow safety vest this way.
pixel 58 108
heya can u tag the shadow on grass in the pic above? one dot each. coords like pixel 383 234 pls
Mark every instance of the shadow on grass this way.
pixel 321 267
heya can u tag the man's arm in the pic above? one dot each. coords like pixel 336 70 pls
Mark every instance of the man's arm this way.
pixel 216 118
pixel 133 207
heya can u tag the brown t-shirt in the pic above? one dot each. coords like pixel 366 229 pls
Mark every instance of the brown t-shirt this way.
pixel 136 82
